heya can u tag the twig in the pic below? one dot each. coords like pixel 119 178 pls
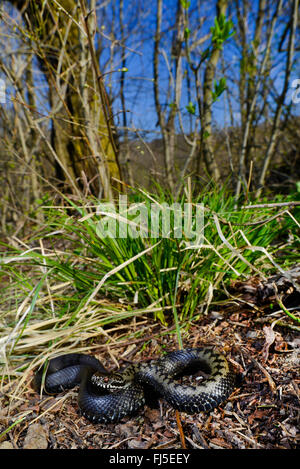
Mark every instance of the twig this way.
pixel 102 92
pixel 286 311
pixel 276 204
pixel 182 438
pixel 264 371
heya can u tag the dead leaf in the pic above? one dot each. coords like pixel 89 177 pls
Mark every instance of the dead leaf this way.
pixel 269 339
pixel 36 438
pixel 258 414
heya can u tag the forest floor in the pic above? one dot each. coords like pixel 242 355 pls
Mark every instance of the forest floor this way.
pixel 262 413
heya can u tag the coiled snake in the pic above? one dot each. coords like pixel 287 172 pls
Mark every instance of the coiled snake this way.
pixel 108 397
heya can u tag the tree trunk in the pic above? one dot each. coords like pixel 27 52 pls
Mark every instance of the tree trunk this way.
pixel 76 110
pixel 206 127
pixel 167 115
pixel 280 101
pixel 252 105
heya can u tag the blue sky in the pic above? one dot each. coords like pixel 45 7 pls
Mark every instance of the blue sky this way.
pixel 140 102
pixel 139 25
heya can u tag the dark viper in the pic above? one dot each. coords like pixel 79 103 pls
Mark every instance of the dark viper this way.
pixel 108 397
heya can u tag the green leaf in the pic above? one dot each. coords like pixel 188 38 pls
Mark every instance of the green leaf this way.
pixel 221 31
pixel 191 108
pixel 185 4
pixel 173 105
pixel 218 88
pixel 187 33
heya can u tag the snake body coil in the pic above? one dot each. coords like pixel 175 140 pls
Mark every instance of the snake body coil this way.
pixel 108 397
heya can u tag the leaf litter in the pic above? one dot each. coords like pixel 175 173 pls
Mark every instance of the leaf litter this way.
pixel 260 342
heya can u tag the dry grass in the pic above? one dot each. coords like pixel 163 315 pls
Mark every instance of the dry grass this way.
pixel 48 310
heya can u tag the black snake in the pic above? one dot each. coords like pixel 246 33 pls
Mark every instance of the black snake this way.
pixel 108 397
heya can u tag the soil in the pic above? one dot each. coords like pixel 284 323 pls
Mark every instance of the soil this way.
pixel 262 413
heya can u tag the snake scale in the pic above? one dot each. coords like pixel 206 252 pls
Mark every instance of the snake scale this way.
pixel 108 397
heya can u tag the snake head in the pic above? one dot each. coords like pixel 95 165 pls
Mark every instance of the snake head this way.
pixel 109 382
